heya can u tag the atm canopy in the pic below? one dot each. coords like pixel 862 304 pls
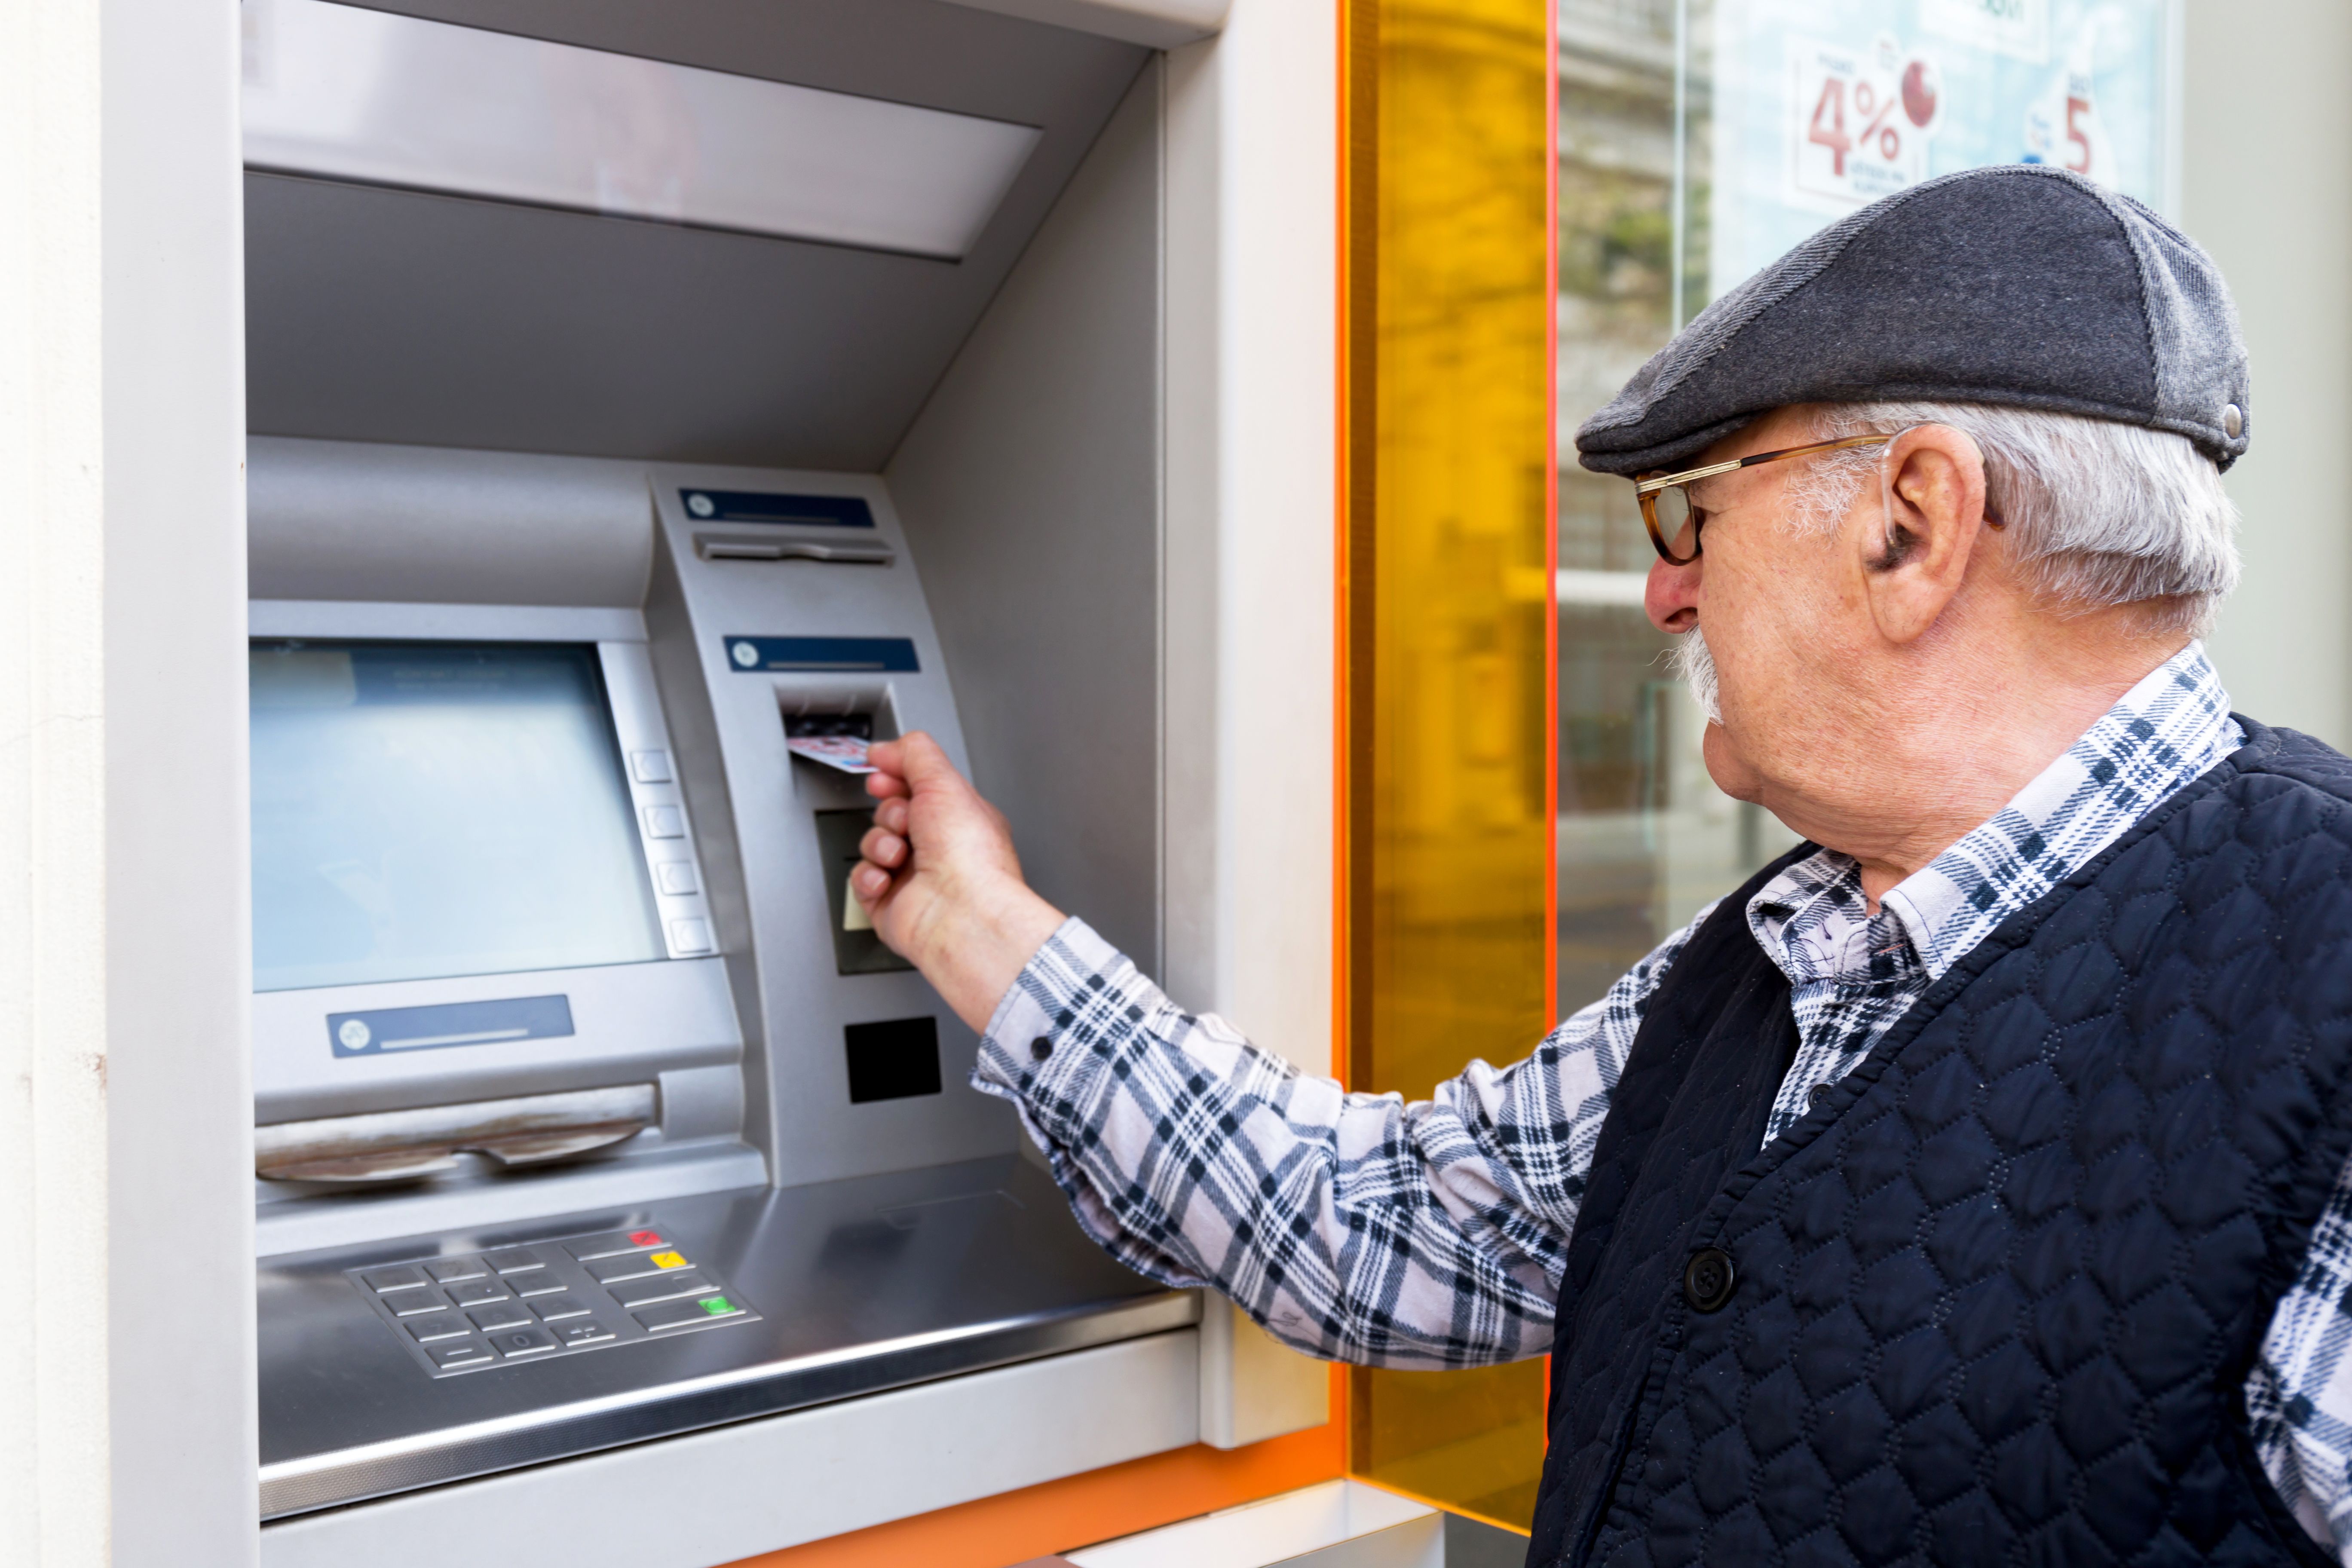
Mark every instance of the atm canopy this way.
pixel 381 313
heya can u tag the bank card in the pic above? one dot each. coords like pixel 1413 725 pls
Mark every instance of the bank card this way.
pixel 847 752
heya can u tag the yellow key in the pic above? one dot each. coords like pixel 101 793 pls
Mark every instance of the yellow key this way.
pixel 669 1261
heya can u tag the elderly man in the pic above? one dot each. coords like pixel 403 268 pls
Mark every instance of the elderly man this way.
pixel 1970 1185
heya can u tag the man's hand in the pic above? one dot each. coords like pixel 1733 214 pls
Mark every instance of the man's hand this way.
pixel 942 882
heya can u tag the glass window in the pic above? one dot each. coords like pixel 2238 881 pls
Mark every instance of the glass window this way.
pixel 1644 837
pixel 430 809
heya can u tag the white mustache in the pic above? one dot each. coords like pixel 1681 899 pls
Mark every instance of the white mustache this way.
pixel 1690 660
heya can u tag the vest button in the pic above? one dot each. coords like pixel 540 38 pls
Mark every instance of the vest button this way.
pixel 1708 1279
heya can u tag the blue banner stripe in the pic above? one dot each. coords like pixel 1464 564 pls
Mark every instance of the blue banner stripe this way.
pixel 386 1029
pixel 752 655
pixel 790 510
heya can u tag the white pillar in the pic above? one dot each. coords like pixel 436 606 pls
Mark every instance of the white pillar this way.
pixel 126 1394
pixel 1249 626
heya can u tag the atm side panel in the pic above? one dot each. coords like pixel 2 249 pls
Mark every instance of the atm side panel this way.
pixel 792 597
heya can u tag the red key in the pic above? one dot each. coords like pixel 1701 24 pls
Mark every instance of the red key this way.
pixel 645 1238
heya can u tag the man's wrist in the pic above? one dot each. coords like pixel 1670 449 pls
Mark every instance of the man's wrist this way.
pixel 973 958
pixel 1076 995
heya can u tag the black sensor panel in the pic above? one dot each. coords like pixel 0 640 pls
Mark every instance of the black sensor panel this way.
pixel 896 1059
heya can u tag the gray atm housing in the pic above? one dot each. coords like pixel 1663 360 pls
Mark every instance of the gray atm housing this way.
pixel 478 424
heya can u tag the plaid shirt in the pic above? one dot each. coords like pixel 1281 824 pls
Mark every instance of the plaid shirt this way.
pixel 1358 1227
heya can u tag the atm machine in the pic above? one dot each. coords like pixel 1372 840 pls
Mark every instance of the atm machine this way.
pixel 588 1109
pixel 595 1129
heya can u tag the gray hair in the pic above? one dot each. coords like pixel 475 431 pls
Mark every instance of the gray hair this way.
pixel 2101 513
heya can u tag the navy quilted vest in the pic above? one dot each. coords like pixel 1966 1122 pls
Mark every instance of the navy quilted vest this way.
pixel 1993 1300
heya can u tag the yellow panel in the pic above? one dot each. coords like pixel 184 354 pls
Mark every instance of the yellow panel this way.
pixel 1449 705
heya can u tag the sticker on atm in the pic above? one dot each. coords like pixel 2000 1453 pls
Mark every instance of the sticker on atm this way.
pixel 847 752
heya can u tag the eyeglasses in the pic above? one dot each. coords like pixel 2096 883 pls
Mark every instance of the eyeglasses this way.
pixel 1666 507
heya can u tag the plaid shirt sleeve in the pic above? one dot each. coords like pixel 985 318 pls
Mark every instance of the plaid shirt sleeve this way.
pixel 1356 1227
pixel 2299 1392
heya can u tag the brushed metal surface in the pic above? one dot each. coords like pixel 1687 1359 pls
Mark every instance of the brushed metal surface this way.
pixel 862 1285
pixel 394 316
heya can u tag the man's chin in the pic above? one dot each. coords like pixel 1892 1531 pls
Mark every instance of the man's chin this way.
pixel 1732 773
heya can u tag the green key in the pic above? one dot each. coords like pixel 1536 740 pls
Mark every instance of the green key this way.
pixel 715 1305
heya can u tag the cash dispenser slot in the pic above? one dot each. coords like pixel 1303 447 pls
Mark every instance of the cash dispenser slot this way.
pixel 403 1145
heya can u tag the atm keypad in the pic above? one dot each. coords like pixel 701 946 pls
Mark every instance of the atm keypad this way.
pixel 688 1314
pixel 607 1270
pixel 611 1244
pixel 516 1343
pixel 464 1312
pixel 403 1278
pixel 661 1288
pixel 478 1292
pixel 505 1315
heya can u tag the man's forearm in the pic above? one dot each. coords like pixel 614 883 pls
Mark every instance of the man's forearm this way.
pixel 1353 1226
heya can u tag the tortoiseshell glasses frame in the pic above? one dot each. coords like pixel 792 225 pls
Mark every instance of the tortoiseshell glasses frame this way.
pixel 1665 498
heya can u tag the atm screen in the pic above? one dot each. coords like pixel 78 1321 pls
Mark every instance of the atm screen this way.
pixel 431 809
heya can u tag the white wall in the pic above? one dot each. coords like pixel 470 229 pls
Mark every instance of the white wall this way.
pixel 126 1393
pixel 53 1426
pixel 2266 186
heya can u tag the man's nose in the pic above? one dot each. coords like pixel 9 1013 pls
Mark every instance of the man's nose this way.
pixel 1671 599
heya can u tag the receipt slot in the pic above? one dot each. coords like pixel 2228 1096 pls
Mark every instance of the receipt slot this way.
pixel 599 1142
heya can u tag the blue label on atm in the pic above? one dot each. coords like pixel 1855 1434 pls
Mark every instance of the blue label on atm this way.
pixel 448 1023
pixel 764 506
pixel 849 655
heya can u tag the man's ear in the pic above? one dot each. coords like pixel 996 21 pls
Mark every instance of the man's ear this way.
pixel 1917 534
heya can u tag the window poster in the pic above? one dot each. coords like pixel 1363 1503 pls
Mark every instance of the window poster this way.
pixel 1820 105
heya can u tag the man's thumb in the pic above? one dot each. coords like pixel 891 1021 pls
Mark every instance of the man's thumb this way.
pixel 924 763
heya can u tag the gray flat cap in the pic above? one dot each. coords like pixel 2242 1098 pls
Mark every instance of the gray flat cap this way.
pixel 2019 284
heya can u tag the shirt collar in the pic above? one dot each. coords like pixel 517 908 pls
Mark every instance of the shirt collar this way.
pixel 2166 730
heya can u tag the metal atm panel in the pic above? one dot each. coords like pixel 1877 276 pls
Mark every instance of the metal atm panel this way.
pixel 820 1207
pixel 744 642
pixel 850 1288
